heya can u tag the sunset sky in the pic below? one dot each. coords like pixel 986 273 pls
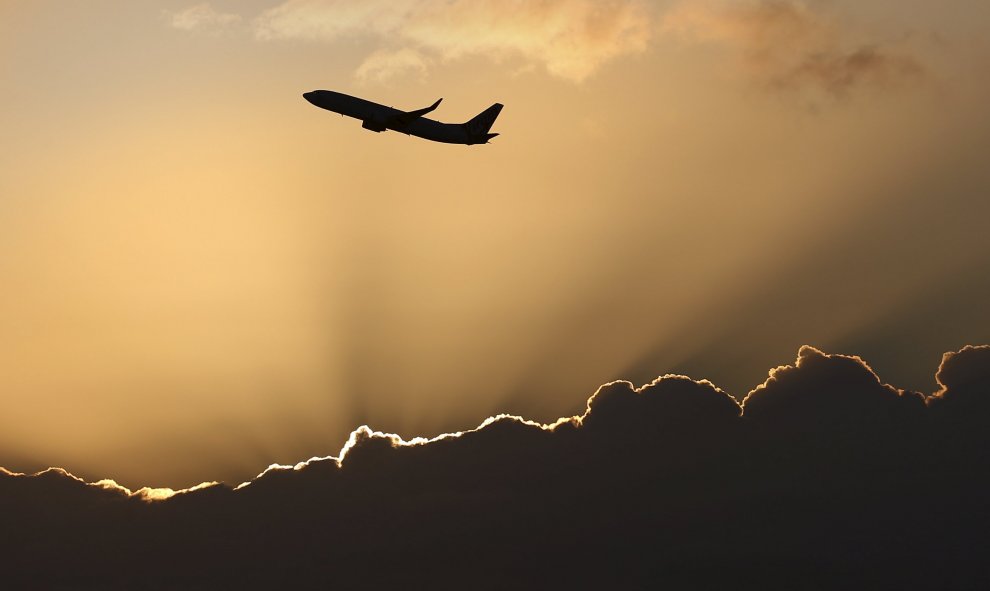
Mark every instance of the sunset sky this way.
pixel 202 274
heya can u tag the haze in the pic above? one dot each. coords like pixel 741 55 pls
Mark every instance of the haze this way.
pixel 202 274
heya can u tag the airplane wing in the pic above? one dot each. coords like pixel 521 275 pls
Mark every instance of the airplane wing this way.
pixel 408 116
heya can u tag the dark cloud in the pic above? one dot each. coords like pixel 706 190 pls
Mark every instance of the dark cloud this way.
pixel 839 71
pixel 825 478
pixel 797 45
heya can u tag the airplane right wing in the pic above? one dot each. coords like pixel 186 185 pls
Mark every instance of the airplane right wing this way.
pixel 409 116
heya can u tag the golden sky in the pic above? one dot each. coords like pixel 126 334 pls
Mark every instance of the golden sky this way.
pixel 202 274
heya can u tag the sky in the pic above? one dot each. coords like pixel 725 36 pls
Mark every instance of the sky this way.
pixel 203 274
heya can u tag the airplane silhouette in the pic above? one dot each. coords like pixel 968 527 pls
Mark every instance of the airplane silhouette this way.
pixel 379 118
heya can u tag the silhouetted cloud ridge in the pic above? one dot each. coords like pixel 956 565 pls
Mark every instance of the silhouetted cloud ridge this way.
pixel 825 477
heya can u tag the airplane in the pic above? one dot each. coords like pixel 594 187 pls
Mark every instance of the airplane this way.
pixel 379 118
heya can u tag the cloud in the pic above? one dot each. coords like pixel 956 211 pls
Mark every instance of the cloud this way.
pixel 383 65
pixel 794 45
pixel 825 474
pixel 202 17
pixel 785 45
pixel 964 372
pixel 145 493
pixel 571 39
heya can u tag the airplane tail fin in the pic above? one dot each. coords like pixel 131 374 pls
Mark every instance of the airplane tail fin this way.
pixel 478 126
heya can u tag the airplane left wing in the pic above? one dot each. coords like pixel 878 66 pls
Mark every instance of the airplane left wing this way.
pixel 408 116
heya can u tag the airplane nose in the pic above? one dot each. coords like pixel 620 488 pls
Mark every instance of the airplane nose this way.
pixel 313 97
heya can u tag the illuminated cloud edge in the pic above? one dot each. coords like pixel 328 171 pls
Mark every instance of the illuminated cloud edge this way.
pixel 365 433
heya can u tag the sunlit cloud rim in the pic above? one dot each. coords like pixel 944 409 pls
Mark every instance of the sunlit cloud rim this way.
pixel 364 433
pixel 146 493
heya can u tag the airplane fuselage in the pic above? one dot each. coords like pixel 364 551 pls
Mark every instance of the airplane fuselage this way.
pixel 376 117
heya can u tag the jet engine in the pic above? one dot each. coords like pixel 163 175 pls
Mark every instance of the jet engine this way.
pixel 374 125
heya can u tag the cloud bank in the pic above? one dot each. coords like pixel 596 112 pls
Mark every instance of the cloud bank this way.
pixel 785 45
pixel 571 39
pixel 825 478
